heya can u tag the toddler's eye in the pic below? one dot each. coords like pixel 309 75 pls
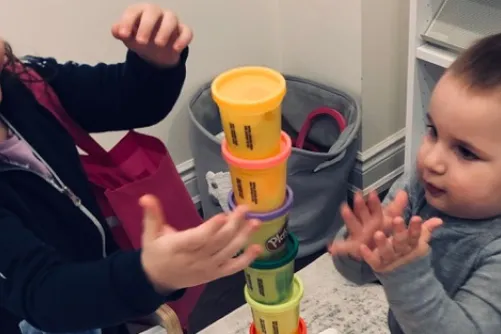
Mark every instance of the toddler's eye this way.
pixel 431 130
pixel 466 153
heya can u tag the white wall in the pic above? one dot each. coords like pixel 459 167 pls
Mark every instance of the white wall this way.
pixel 356 45
pixel 384 67
pixel 227 34
pixel 321 40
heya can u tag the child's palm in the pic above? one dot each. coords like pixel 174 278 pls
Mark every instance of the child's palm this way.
pixel 403 246
pixel 364 220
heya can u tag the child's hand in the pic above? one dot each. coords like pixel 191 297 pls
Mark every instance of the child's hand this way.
pixel 174 260
pixel 365 220
pixel 402 247
pixel 154 34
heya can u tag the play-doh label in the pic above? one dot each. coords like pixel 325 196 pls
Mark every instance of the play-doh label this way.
pixel 278 240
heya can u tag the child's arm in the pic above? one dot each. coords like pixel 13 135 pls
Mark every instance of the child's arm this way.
pixel 121 96
pixel 57 296
pixel 421 305
pixel 418 299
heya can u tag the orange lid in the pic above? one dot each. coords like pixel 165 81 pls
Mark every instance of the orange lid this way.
pixel 248 88
pixel 285 152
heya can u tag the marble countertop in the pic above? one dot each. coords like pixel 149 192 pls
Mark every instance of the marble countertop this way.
pixel 330 301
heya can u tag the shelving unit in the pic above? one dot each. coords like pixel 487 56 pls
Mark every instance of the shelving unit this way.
pixel 427 62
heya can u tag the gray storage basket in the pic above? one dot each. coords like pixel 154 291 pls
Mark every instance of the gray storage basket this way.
pixel 319 180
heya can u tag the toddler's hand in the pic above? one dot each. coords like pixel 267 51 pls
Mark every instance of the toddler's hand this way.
pixel 154 34
pixel 179 259
pixel 364 221
pixel 402 247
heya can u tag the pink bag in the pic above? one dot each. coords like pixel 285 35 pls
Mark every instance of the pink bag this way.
pixel 139 164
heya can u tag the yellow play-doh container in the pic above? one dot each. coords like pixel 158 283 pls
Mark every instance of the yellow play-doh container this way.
pixel 281 318
pixel 272 233
pixel 302 329
pixel 271 281
pixel 259 184
pixel 249 100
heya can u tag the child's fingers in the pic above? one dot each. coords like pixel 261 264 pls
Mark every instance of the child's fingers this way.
pixel 196 238
pixel 239 262
pixel 148 23
pixel 360 208
pixel 372 258
pixel 184 39
pixel 235 223
pixel 384 247
pixel 168 28
pixel 128 22
pixel 374 205
pixel 430 225
pixel 400 236
pixel 237 243
pixel 414 231
pixel 397 206
pixel 344 247
pixel 352 223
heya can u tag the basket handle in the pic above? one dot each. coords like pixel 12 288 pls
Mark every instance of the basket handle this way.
pixel 322 111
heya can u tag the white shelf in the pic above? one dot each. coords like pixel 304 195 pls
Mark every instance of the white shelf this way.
pixel 435 55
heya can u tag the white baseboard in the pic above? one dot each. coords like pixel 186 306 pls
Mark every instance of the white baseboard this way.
pixel 379 166
pixel 376 168
pixel 187 172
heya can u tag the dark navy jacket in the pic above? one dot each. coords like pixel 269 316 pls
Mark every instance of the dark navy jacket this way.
pixel 53 273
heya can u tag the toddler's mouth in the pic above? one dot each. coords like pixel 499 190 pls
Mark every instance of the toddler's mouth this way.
pixel 433 190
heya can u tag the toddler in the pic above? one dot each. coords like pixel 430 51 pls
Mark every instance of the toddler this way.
pixel 436 244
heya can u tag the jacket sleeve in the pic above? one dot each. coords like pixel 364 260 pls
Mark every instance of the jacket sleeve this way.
pixel 422 306
pixel 122 96
pixel 56 296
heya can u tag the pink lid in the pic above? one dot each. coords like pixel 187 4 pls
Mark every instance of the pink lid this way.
pixel 285 152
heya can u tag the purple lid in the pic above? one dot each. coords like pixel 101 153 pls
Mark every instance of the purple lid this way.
pixel 266 216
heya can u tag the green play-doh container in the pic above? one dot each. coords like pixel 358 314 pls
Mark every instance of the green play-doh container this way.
pixel 282 318
pixel 270 281
pixel 272 233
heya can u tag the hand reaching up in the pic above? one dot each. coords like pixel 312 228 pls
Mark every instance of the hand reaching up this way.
pixel 364 220
pixel 179 259
pixel 155 34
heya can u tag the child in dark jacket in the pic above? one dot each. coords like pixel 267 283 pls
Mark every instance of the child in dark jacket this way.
pixel 60 270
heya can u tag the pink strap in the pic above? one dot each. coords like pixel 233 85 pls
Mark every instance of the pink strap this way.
pixel 46 96
pixel 305 129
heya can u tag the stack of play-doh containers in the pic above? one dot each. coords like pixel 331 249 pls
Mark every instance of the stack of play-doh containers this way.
pixel 256 150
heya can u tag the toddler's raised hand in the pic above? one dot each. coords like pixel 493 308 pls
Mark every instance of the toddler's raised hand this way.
pixel 403 246
pixel 366 218
pixel 361 223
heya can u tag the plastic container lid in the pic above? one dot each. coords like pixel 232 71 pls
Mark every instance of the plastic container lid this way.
pixel 301 329
pixel 249 88
pixel 266 216
pixel 285 152
pixel 292 247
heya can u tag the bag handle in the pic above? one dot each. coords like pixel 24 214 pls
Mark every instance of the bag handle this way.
pixel 46 96
pixel 306 127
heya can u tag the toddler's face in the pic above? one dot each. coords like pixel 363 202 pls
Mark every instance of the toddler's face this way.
pixel 459 160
